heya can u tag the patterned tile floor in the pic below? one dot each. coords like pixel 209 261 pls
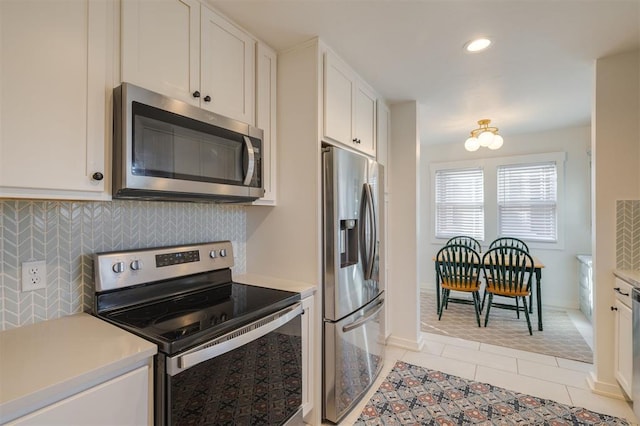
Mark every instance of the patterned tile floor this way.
pixel 544 376
pixel 560 336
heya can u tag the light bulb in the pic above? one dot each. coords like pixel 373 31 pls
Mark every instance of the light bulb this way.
pixel 478 45
pixel 471 144
pixel 497 142
pixel 485 138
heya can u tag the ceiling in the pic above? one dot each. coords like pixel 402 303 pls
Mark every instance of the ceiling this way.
pixel 537 75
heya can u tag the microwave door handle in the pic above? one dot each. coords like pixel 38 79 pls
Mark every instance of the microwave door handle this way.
pixel 252 160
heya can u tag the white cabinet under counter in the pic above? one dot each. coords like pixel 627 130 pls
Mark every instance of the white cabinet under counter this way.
pixel 75 370
pixel 623 328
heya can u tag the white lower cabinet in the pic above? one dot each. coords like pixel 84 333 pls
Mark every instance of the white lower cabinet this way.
pixel 308 336
pixel 623 351
pixel 121 401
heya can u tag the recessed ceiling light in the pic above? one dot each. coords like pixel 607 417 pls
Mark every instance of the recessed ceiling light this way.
pixel 478 45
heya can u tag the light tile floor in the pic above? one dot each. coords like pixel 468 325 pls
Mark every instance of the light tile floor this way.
pixel 543 376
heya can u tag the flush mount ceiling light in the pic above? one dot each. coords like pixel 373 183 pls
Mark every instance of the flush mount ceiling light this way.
pixel 484 136
pixel 477 44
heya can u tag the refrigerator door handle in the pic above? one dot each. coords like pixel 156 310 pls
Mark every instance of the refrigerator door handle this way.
pixel 369 250
pixel 364 249
pixel 374 231
pixel 361 321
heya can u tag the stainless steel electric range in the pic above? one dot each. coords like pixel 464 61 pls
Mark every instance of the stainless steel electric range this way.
pixel 228 353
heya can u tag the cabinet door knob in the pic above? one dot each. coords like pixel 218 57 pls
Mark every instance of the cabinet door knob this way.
pixel 613 308
pixel 196 94
pixel 97 176
pixel 207 98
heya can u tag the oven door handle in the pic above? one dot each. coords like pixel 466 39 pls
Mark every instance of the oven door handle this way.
pixel 232 340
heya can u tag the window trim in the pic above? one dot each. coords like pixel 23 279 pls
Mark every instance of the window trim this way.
pixel 490 167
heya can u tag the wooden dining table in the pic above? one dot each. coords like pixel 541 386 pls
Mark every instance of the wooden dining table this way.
pixel 536 270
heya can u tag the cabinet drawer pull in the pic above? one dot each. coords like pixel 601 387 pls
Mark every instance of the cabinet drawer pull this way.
pixel 618 290
pixel 613 308
pixel 196 94
pixel 97 176
pixel 207 98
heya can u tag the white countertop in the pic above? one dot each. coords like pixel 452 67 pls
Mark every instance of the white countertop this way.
pixel 305 289
pixel 628 275
pixel 48 361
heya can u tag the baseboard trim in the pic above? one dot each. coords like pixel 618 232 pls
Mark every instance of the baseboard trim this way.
pixel 412 345
pixel 611 390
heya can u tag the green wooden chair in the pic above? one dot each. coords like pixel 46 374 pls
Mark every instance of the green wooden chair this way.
pixel 465 241
pixel 508 273
pixel 506 243
pixel 509 242
pixel 458 268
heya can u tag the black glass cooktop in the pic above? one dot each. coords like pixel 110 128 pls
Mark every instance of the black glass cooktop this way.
pixel 181 321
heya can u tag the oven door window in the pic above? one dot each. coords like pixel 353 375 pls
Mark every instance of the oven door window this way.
pixel 257 383
pixel 171 146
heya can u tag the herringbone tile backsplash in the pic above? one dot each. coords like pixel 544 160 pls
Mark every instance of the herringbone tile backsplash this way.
pixel 628 234
pixel 66 234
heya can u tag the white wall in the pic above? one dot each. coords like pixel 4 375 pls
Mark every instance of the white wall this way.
pixel 616 154
pixel 559 277
pixel 283 241
pixel 404 226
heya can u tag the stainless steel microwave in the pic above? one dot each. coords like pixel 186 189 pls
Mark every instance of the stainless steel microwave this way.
pixel 165 149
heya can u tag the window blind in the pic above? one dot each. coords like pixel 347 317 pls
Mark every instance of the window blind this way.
pixel 459 203
pixel 527 201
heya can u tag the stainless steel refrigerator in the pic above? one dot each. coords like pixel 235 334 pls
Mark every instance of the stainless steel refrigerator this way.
pixel 353 297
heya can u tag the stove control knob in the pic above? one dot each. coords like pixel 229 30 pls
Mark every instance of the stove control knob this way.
pixel 118 267
pixel 223 252
pixel 212 254
pixel 136 265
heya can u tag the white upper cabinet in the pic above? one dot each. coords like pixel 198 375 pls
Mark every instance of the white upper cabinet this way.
pixel 55 89
pixel 160 46
pixel 227 68
pixel 339 88
pixel 184 50
pixel 349 107
pixel 365 118
pixel 266 66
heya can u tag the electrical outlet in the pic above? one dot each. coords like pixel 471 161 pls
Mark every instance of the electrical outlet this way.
pixel 34 275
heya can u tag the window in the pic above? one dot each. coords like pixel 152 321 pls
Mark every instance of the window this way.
pixel 527 201
pixel 459 200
